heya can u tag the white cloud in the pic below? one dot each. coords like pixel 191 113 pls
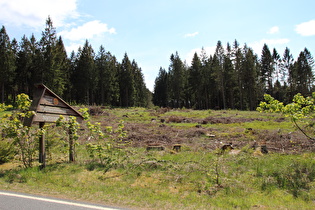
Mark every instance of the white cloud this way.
pixel 306 28
pixel 87 31
pixel 257 46
pixel 33 13
pixel 192 34
pixel 273 30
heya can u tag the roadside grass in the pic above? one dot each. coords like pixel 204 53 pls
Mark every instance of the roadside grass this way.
pixel 193 178
pixel 185 180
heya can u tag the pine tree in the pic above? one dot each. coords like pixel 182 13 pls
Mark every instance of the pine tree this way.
pixel 7 65
pixel 208 85
pixel 47 44
pixel 139 86
pixel 177 81
pixel 126 83
pixel 230 82
pixel 84 77
pixel 286 63
pixel 194 78
pixel 107 70
pixel 250 79
pixel 37 60
pixel 60 68
pixel 302 73
pixel 219 71
pixel 266 69
pixel 23 64
pixel 237 61
pixel 161 91
pixel 286 77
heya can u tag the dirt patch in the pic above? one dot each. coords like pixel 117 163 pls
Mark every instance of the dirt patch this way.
pixel 199 135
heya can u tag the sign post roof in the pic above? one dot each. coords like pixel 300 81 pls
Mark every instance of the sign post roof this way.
pixel 48 107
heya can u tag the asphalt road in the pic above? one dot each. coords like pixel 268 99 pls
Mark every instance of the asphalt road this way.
pixel 19 201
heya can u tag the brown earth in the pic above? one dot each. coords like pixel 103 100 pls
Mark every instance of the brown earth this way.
pixel 172 130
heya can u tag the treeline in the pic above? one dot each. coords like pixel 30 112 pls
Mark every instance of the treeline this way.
pixel 233 78
pixel 84 77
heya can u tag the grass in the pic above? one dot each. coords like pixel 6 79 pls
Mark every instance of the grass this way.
pixel 186 180
pixel 194 178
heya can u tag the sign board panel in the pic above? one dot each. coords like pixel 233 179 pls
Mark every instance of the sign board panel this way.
pixel 48 107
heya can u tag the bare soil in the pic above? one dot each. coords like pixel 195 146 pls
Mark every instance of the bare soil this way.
pixel 196 134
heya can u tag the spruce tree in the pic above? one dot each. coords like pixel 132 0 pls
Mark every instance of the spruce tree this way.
pixel 23 66
pixel 177 81
pixel 219 71
pixel 47 44
pixel 250 70
pixel 161 91
pixel 266 69
pixel 60 69
pixel 7 65
pixel 194 78
pixel 126 83
pixel 83 77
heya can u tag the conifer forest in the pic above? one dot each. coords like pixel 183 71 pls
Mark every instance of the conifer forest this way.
pixel 234 77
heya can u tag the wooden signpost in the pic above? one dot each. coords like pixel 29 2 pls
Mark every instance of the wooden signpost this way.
pixel 48 107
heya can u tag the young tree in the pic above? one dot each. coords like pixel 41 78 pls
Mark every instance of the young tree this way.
pixel 302 109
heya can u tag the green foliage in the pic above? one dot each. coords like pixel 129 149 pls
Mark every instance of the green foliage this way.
pixel 104 145
pixel 7 151
pixel 23 137
pixel 7 64
pixel 70 126
pixel 301 109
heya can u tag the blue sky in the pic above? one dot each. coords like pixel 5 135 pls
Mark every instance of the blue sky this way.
pixel 150 31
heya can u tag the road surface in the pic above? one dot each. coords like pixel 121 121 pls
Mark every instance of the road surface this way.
pixel 19 201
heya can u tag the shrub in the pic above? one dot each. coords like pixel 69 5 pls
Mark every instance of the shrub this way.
pixel 7 151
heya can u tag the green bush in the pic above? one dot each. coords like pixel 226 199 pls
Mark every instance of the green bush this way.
pixel 7 151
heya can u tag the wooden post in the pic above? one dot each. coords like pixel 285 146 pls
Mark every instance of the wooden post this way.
pixel 42 154
pixel 71 147
pixel 48 107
